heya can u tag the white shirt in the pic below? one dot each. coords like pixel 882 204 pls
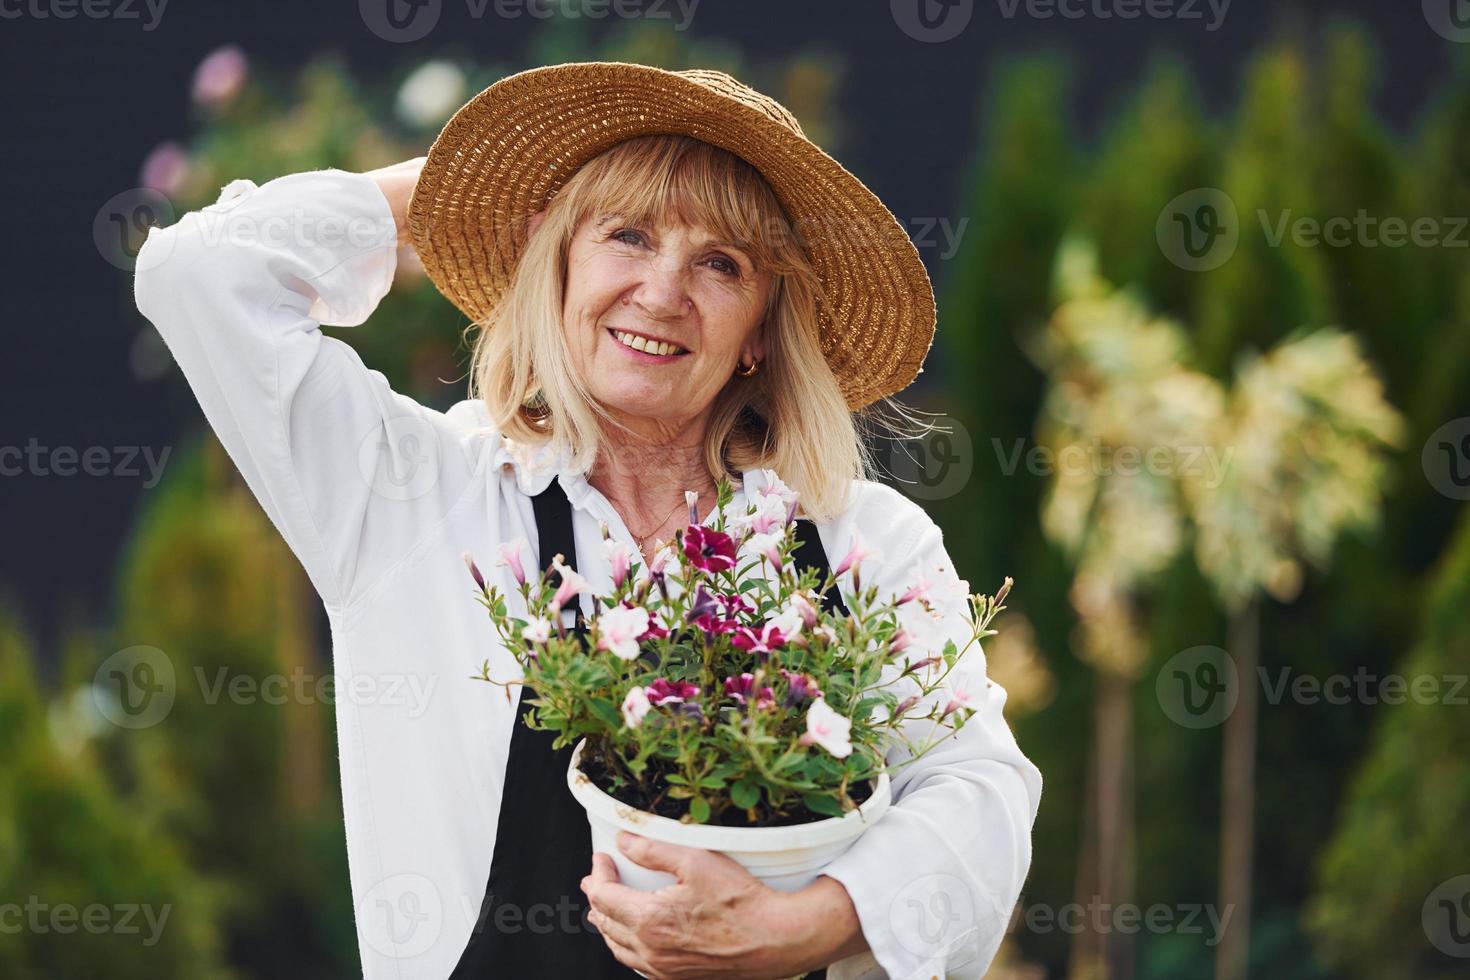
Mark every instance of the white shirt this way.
pixel 378 496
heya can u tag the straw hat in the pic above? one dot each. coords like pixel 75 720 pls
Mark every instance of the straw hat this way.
pixel 510 148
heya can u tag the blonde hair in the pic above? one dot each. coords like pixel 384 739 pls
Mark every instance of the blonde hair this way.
pixel 791 417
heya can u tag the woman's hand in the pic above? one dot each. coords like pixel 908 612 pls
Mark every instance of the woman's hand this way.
pixel 717 920
pixel 397 183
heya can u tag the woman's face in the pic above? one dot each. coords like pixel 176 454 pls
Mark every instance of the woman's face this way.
pixel 629 286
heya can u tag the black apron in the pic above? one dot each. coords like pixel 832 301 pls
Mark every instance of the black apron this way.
pixel 533 921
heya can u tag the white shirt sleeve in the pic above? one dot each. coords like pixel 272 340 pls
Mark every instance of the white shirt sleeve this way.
pixel 350 472
pixel 935 880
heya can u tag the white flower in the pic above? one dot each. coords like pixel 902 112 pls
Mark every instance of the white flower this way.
pixel 619 628
pixel 776 487
pixel 767 544
pixel 827 728
pixel 788 621
pixel 431 94
pixel 635 706
pixel 536 631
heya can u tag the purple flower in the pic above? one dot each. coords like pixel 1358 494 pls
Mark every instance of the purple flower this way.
pixel 799 688
pixel 742 689
pixel 762 643
pixel 474 570
pixel 709 550
pixel 671 692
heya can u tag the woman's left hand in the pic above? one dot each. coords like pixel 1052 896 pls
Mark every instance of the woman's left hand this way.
pixel 716 920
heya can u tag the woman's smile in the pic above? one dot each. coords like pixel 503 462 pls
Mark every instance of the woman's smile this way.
pixel 645 348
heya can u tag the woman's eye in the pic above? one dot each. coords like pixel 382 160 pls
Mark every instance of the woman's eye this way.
pixel 628 236
pixel 724 265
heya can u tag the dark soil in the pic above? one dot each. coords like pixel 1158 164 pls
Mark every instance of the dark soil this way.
pixel 732 816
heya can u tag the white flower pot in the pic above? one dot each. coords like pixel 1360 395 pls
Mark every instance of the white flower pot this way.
pixel 785 858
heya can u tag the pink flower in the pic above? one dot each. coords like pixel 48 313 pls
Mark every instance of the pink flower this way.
pixel 220 76
pixel 899 641
pixel 709 550
pixel 510 557
pixel 620 557
pixel 767 545
pixel 663 692
pixel 827 728
pixel 742 688
pixel 856 555
pixel 801 604
pixel 959 698
pixel 165 168
pixel 571 585
pixel 635 706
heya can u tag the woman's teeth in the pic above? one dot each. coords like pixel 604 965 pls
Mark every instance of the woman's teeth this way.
pixel 645 345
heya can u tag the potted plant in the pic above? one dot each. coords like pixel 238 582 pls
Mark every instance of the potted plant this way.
pixel 715 703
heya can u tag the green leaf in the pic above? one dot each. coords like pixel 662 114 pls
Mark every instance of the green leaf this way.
pixel 699 809
pixel 825 805
pixel 605 712
pixel 745 794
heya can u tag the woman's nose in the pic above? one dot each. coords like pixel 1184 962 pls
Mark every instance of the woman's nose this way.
pixel 664 291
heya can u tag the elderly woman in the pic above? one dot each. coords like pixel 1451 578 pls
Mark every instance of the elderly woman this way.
pixel 670 285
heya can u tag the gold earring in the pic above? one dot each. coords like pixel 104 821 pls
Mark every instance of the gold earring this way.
pixel 747 372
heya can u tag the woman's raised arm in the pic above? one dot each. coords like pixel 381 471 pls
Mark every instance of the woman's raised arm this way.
pixel 350 472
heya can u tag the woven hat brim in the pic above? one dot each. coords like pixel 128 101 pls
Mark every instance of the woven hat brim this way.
pixel 508 150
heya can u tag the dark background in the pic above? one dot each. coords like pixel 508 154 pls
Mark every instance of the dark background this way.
pixel 85 100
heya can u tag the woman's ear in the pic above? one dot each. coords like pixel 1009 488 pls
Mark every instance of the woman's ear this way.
pixel 534 222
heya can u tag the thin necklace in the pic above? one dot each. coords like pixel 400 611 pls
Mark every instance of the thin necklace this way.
pixel 642 539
